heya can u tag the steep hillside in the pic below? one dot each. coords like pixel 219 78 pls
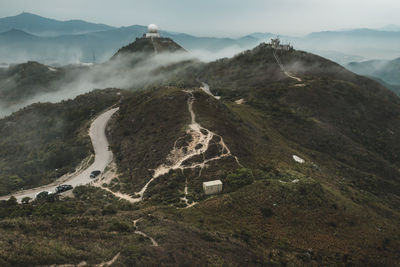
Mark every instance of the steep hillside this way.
pixel 149 46
pixel 19 82
pixel 341 114
pixel 44 141
pixel 344 126
pixel 306 150
pixel 136 66
pixel 270 202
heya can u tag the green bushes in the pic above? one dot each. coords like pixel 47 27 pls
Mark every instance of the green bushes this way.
pixel 118 226
pixel 108 210
pixel 240 178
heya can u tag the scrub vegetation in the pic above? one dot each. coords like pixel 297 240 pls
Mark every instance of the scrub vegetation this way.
pixel 44 141
pixel 340 207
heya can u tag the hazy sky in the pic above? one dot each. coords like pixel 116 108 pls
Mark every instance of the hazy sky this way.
pixel 219 17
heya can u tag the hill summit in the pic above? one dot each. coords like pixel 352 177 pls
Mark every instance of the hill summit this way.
pixel 150 43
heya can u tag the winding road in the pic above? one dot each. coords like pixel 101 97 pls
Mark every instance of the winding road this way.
pixel 103 157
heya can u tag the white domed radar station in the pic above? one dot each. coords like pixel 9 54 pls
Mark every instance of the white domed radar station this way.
pixel 152 31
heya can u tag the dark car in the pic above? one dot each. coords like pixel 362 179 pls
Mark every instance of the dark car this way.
pixel 63 188
pixel 94 174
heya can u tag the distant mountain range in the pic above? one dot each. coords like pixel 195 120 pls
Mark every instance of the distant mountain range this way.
pixel 48 27
pixel 387 70
pixel 30 37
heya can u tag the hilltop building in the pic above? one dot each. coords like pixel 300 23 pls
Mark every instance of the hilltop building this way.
pixel 276 44
pixel 152 32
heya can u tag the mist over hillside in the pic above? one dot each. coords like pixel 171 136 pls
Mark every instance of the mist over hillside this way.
pixel 307 152
pixel 33 82
pixel 30 37
pixel 131 146
pixel 387 70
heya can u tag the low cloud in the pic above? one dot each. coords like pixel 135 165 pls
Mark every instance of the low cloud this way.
pixel 208 56
pixel 125 72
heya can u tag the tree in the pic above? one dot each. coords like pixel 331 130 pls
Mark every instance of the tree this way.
pixel 12 201
pixel 15 182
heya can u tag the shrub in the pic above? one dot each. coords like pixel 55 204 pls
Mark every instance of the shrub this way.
pixel 15 182
pixel 12 201
pixel 108 209
pixel 240 177
pixel 118 226
pixel 267 212
pixel 206 236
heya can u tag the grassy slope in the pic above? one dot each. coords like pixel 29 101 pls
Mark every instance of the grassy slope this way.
pixel 342 211
pixel 318 220
pixel 346 128
pixel 321 200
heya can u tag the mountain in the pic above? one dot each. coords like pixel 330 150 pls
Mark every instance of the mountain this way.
pixel 25 80
pixel 361 42
pixel 19 84
pixel 307 152
pixel 386 70
pixel 345 46
pixel 81 47
pixel 142 63
pixel 58 42
pixel 149 46
pixel 38 25
pixel 338 57
pixel 15 34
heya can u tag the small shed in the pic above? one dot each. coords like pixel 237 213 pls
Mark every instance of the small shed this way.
pixel 212 187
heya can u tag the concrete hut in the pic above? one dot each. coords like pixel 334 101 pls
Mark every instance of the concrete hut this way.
pixel 212 187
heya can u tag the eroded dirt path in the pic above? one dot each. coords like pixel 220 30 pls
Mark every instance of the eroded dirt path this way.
pixel 189 152
pixel 155 244
pixel 185 199
pixel 206 89
pixel 284 69
pixel 84 263
pixel 180 156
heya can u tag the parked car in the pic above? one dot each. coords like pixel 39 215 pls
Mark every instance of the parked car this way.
pixel 63 188
pixel 94 174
